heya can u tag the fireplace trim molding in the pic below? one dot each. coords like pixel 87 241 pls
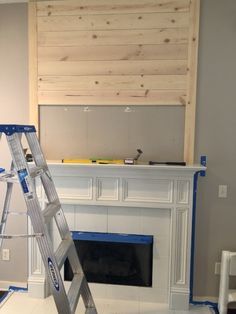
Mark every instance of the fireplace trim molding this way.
pixel 161 187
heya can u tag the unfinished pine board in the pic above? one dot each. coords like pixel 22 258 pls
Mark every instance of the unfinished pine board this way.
pixel 33 60
pixel 48 8
pixel 190 112
pixel 114 52
pixel 111 52
pixel 167 82
pixel 114 97
pixel 145 67
pixel 114 21
pixel 112 37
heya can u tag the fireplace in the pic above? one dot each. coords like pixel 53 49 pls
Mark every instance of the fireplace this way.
pixel 134 200
pixel 112 258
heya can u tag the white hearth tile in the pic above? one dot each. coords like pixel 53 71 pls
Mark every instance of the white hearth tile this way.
pixel 196 309
pixel 155 221
pixel 123 307
pixel 90 218
pixel 118 292
pixel 99 291
pixel 124 220
pixel 160 273
pixel 155 295
pixel 22 303
pixel 154 308
pixel 161 246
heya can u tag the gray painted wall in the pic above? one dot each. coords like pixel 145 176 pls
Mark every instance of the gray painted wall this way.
pixel 14 109
pixel 216 129
pixel 216 111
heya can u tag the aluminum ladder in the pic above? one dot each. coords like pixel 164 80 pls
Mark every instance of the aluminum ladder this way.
pixel 20 172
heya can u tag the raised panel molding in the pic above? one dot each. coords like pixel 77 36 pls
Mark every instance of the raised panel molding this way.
pixel 79 188
pixel 148 190
pixel 180 247
pixel 183 191
pixel 107 189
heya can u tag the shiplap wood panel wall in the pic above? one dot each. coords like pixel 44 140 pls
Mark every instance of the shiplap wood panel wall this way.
pixel 114 52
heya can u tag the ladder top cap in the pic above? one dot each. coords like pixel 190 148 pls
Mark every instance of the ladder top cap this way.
pixel 10 129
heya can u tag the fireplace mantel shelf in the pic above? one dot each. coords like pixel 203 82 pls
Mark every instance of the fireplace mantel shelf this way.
pixel 191 168
pixel 140 199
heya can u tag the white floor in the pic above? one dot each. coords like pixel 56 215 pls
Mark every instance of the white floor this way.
pixel 21 303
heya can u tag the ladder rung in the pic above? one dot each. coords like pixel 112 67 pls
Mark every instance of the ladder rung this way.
pixel 91 310
pixel 62 251
pixel 75 291
pixel 13 236
pixel 9 177
pixel 16 213
pixel 50 211
pixel 37 171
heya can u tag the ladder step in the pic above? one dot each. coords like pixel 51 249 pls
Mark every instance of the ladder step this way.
pixel 75 290
pixel 37 171
pixel 91 310
pixel 62 251
pixel 50 211
pixel 9 177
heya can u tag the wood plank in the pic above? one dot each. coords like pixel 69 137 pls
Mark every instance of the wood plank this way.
pixel 126 67
pixel 106 82
pixel 116 97
pixel 76 7
pixel 114 37
pixel 33 74
pixel 115 52
pixel 113 21
pixel 190 112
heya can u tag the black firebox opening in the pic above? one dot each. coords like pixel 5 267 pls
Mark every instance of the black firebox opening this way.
pixel 114 258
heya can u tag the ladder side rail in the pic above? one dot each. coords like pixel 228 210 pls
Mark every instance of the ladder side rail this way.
pixel 48 183
pixel 87 297
pixel 5 210
pixel 61 223
pixel 52 196
pixel 37 220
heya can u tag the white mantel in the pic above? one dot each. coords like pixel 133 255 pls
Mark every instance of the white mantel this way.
pixel 142 199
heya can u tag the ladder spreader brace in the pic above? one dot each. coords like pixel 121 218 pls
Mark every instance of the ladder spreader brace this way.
pixel 20 172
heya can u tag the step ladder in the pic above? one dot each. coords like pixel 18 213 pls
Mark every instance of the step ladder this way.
pixel 20 172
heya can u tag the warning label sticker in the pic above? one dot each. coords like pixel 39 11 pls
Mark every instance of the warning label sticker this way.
pixel 23 174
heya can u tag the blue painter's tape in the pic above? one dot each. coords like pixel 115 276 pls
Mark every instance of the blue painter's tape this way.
pixel 203 162
pixel 20 289
pixel 112 237
pixel 4 296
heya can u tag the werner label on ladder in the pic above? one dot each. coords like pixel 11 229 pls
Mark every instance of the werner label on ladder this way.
pixel 66 303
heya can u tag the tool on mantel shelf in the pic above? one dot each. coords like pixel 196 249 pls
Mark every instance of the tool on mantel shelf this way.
pixel 168 163
pixel 100 161
pixel 133 161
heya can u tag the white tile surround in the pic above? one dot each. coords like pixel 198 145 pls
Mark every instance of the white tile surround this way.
pixel 154 200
